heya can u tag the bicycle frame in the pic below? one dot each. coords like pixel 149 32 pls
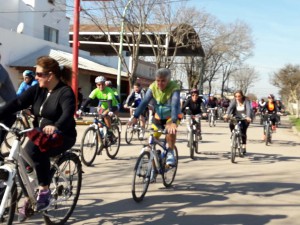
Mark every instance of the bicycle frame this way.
pixel 14 165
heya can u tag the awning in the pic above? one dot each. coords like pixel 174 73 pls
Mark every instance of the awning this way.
pixel 65 58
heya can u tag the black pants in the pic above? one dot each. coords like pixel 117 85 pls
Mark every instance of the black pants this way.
pixel 244 127
pixel 41 160
pixel 9 121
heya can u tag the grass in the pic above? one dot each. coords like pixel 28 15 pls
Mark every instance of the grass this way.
pixel 295 121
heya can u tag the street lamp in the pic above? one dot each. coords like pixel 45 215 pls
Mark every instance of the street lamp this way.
pixel 121 49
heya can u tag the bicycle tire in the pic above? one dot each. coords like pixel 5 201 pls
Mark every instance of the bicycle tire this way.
pixel 233 147
pixel 209 120
pixel 10 208
pixel 118 123
pixel 113 149
pixel 129 134
pixel 65 189
pixel 191 137
pixel 267 131
pixel 9 138
pixel 89 146
pixel 169 173
pixel 141 178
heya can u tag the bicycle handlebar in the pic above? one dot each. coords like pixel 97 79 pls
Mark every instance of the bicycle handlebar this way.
pixel 15 130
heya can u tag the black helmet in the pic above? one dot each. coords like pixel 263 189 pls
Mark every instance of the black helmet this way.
pixel 194 90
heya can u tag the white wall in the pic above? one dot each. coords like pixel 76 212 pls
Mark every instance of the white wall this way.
pixel 35 14
pixel 15 46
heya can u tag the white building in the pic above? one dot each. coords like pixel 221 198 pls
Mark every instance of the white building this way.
pixel 31 28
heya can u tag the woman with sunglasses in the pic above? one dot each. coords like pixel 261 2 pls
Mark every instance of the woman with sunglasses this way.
pixel 240 107
pixel 52 103
pixel 196 106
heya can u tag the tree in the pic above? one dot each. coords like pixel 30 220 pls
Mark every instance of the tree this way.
pixel 244 78
pixel 287 80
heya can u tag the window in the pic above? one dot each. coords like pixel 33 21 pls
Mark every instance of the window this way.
pixel 50 34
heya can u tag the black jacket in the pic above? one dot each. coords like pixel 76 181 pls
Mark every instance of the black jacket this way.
pixel 58 109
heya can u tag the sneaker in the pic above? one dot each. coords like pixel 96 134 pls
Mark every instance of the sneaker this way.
pixel 43 200
pixel 170 158
pixel 141 135
pixel 25 211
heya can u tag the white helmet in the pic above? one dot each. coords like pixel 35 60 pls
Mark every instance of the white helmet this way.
pixel 100 79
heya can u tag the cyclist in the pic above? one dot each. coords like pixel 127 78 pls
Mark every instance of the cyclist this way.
pixel 7 93
pixel 281 108
pixel 53 105
pixel 134 99
pixel 212 103
pixel 29 81
pixel 271 109
pixel 196 107
pixel 240 107
pixel 261 104
pixel 109 103
pixel 165 94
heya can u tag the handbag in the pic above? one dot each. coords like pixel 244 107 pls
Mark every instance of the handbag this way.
pixel 45 141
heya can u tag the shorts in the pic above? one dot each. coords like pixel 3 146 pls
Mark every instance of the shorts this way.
pixel 160 125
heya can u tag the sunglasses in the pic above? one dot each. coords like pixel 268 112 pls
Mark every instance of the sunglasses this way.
pixel 41 74
pixel 194 95
pixel 100 84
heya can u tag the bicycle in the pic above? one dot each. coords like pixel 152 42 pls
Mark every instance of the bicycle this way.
pixel 151 162
pixel 193 133
pixel 211 117
pixel 135 129
pixel 236 137
pixel 268 129
pixel 95 139
pixel 66 178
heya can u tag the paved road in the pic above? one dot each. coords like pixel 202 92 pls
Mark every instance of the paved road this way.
pixel 262 188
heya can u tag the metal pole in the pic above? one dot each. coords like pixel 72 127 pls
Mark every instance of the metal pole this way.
pixel 121 49
pixel 75 48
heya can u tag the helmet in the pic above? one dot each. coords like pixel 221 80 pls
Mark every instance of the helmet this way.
pixel 28 73
pixel 271 96
pixel 194 90
pixel 100 79
pixel 108 83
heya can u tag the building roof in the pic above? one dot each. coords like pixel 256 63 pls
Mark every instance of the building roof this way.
pixel 97 40
pixel 65 58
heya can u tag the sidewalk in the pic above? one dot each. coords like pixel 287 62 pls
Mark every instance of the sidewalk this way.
pixel 86 120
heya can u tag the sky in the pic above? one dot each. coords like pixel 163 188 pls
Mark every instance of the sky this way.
pixel 275 28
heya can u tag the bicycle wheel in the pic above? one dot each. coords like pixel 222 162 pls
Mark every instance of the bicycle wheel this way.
pixel 129 134
pixel 191 145
pixel 89 146
pixel 10 205
pixel 118 123
pixel 195 142
pixel 113 149
pixel 267 130
pixel 9 138
pixel 209 120
pixel 169 172
pixel 233 147
pixel 66 178
pixel 141 178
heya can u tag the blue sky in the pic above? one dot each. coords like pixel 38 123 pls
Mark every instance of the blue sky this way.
pixel 275 28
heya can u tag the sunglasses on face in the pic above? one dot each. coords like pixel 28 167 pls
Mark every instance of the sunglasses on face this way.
pixel 194 95
pixel 41 74
pixel 100 84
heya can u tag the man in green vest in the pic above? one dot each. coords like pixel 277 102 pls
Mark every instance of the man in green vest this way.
pixel 166 97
